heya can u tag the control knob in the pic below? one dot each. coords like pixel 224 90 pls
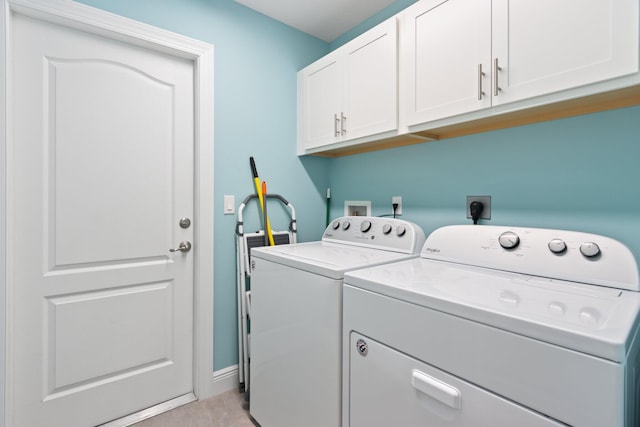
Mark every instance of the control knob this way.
pixel 509 240
pixel 401 230
pixel 386 229
pixel 590 249
pixel 557 246
pixel 365 226
pixel 335 225
pixel 346 225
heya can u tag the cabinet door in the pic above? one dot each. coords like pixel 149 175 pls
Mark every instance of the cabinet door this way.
pixel 448 42
pixel 321 100
pixel 543 46
pixel 371 85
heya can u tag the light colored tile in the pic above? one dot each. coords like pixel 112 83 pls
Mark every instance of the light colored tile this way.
pixel 225 410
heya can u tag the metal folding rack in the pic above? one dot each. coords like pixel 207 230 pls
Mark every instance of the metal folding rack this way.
pixel 245 242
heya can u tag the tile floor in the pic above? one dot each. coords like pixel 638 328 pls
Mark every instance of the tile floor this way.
pixel 225 410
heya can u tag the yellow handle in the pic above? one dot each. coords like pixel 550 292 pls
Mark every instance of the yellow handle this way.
pixel 259 191
pixel 262 201
pixel 268 225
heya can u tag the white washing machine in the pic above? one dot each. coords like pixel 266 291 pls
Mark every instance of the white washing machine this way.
pixel 296 316
pixel 497 327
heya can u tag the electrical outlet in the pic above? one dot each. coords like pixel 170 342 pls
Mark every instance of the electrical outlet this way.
pixel 398 200
pixel 486 203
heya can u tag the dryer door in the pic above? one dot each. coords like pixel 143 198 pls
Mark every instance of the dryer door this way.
pixel 389 388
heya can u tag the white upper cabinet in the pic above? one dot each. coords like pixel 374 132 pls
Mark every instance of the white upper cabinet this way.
pixel 321 102
pixel 445 68
pixel 544 46
pixel 446 58
pixel 460 56
pixel 350 94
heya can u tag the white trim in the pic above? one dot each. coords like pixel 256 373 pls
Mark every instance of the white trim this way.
pixel 151 412
pixel 4 120
pixel 225 379
pixel 204 221
pixel 103 23
pixel 92 20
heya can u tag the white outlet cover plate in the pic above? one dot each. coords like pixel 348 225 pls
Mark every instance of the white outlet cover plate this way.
pixel 398 200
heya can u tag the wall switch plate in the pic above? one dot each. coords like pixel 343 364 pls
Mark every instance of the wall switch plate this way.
pixel 486 202
pixel 229 204
pixel 398 200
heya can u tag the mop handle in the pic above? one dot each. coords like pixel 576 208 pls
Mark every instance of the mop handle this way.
pixel 256 181
pixel 268 233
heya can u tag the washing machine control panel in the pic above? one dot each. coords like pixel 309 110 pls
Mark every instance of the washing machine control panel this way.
pixel 376 232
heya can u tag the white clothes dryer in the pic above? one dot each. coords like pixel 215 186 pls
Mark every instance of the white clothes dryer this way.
pixel 495 326
pixel 296 316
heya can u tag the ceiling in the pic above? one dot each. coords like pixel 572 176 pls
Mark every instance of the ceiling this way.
pixel 324 19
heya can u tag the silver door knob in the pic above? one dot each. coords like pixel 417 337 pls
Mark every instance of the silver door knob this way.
pixel 182 247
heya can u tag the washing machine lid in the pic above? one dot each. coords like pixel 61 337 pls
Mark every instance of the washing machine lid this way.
pixel 590 319
pixel 328 259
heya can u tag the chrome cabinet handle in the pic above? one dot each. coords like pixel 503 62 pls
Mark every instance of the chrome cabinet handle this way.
pixel 480 75
pixel 335 125
pixel 496 68
pixel 182 247
pixel 343 121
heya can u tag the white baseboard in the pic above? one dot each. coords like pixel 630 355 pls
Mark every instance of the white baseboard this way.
pixel 225 379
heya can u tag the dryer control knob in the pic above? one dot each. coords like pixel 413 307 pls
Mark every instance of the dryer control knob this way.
pixel 386 229
pixel 401 230
pixel 346 225
pixel 335 225
pixel 557 246
pixel 509 240
pixel 365 226
pixel 590 249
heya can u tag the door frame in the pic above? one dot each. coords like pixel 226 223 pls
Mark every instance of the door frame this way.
pixel 95 21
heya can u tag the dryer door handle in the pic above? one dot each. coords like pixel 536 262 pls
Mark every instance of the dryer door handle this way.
pixel 436 389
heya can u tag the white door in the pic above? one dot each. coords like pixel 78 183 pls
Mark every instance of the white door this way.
pixel 449 59
pixel 371 85
pixel 101 171
pixel 544 46
pixel 322 102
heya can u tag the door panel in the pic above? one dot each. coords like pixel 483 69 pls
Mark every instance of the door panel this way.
pixel 449 63
pixel 122 339
pixel 576 43
pixel 115 153
pixel 323 102
pixel 102 171
pixel 371 98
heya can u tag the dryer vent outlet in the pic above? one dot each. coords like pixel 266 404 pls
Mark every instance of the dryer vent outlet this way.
pixel 486 203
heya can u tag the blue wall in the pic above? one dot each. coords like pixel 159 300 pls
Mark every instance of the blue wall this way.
pixel 580 173
pixel 577 173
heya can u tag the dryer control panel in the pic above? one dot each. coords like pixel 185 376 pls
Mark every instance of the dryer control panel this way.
pixel 555 254
pixel 376 232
